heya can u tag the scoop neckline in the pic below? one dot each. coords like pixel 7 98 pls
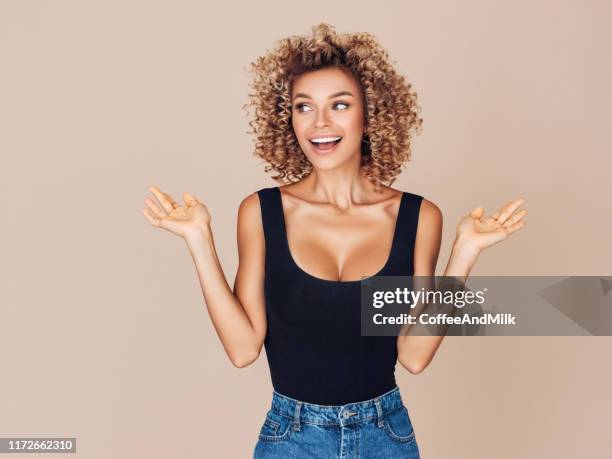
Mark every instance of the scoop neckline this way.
pixel 331 281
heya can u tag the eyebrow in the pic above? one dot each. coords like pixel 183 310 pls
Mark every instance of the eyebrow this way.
pixel 338 94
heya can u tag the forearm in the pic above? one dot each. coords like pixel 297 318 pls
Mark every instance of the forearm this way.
pixel 417 350
pixel 228 316
pixel 461 261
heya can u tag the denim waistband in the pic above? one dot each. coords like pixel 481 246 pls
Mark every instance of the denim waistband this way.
pixel 339 415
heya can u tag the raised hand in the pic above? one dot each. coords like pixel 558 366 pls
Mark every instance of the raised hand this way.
pixel 168 214
pixel 481 232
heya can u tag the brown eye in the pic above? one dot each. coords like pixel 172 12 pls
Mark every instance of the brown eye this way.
pixel 299 107
pixel 342 103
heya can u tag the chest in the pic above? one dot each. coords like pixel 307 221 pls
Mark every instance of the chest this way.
pixel 340 247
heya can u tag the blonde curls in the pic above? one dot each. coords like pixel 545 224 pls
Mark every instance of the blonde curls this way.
pixel 390 105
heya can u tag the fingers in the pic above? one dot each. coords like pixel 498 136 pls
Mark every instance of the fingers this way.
pixel 477 213
pixel 164 199
pixel 154 209
pixel 189 199
pixel 507 210
pixel 149 216
pixel 515 217
pixel 515 227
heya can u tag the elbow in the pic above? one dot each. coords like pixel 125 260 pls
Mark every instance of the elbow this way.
pixel 414 367
pixel 244 359
pixel 241 363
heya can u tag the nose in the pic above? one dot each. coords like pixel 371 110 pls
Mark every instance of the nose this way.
pixel 322 119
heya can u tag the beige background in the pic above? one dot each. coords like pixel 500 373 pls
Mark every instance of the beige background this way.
pixel 104 334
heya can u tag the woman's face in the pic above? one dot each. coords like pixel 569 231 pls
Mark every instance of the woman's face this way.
pixel 327 104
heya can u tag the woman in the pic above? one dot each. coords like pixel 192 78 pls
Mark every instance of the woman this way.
pixel 334 120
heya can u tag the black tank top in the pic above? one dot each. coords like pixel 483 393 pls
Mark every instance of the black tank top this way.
pixel 313 342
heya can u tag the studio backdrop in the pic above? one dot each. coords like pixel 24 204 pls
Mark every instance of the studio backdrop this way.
pixel 104 334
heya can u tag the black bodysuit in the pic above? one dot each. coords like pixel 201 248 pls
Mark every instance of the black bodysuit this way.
pixel 313 343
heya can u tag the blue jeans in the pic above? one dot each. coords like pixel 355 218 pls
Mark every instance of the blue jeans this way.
pixel 377 428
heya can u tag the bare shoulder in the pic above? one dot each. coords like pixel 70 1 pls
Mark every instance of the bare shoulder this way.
pixel 430 213
pixel 249 214
pixel 250 204
pixel 428 239
pixel 429 227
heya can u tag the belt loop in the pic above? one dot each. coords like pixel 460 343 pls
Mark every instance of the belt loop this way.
pixel 296 416
pixel 381 422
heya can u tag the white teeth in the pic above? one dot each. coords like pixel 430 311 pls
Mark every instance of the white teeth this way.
pixel 325 139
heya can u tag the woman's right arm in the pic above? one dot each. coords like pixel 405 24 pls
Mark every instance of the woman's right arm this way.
pixel 238 316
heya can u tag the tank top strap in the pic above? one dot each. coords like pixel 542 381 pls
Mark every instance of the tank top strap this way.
pixel 402 252
pixel 272 220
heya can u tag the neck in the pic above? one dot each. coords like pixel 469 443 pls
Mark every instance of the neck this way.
pixel 342 188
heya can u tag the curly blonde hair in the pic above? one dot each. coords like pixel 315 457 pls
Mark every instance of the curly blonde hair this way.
pixel 390 105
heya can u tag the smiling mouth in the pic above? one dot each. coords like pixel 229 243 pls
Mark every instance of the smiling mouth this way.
pixel 325 147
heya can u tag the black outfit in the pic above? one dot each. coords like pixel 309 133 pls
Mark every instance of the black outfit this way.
pixel 313 343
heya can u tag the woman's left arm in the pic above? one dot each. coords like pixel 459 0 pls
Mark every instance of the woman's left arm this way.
pixel 475 232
